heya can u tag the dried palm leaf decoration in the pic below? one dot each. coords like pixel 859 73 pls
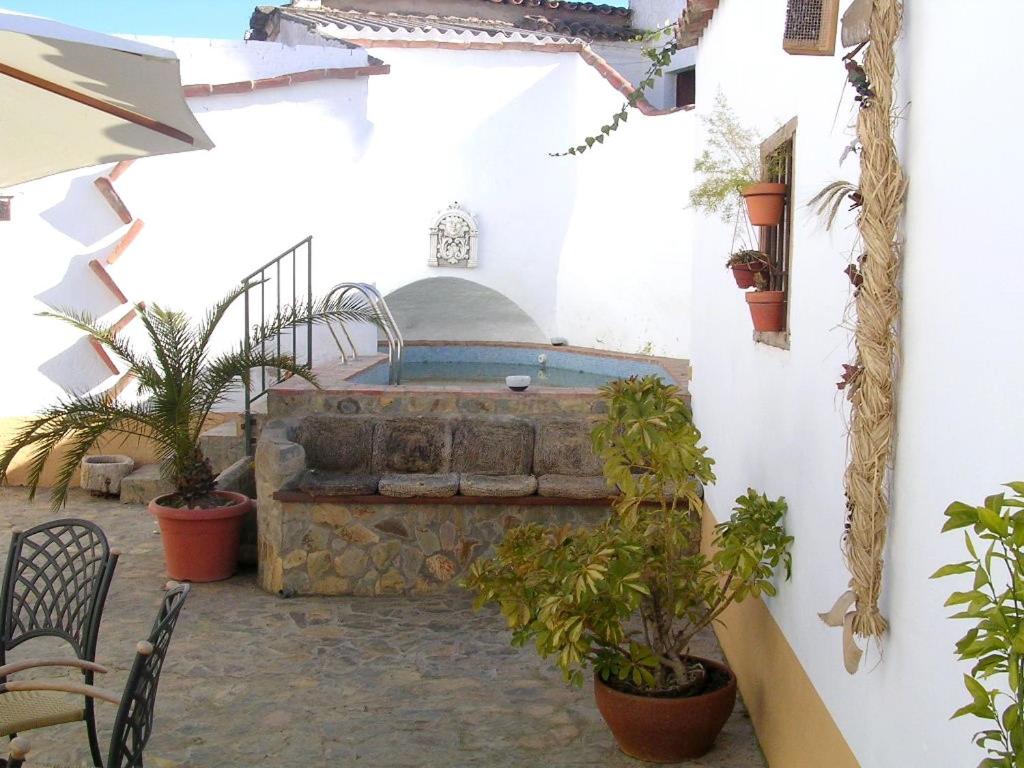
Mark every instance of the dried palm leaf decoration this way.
pixel 878 301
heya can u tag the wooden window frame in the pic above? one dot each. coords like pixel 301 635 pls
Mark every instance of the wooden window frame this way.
pixel 825 44
pixel 685 71
pixel 779 240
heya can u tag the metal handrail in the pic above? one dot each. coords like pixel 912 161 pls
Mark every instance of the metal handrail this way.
pixel 271 273
pixel 396 344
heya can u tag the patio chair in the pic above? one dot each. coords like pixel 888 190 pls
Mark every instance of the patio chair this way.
pixel 55 585
pixel 133 724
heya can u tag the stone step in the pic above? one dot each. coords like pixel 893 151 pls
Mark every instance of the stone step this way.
pixel 223 445
pixel 143 485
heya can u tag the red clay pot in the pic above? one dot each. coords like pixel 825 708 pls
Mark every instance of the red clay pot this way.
pixel 201 544
pixel 767 310
pixel 660 730
pixel 765 202
pixel 746 274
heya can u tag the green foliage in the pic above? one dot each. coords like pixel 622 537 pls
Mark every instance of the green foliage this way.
pixel 995 606
pixel 747 256
pixel 179 382
pixel 628 596
pixel 660 58
pixel 731 161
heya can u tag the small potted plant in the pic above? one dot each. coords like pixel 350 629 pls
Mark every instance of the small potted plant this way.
pixel 992 603
pixel 731 168
pixel 627 597
pixel 179 382
pixel 747 267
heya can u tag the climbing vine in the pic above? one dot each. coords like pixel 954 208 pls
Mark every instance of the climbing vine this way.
pixel 660 58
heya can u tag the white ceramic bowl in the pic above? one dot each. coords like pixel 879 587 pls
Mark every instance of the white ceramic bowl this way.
pixel 517 383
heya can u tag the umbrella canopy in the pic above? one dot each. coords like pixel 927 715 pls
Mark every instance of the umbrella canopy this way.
pixel 71 98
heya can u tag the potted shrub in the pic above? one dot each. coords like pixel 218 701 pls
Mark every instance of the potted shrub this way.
pixel 731 168
pixel 179 382
pixel 765 201
pixel 627 597
pixel 748 267
pixel 992 603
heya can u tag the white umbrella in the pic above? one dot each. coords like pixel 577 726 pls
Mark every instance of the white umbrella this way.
pixel 71 98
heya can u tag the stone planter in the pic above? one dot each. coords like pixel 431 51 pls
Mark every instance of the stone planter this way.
pixel 103 474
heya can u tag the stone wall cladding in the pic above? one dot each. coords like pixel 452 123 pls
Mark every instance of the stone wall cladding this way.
pixel 285 403
pixel 413 446
pixel 392 549
pixel 492 446
pixel 564 447
pixel 322 434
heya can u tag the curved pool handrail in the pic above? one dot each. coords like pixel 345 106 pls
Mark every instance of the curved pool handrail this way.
pixel 385 318
pixel 399 341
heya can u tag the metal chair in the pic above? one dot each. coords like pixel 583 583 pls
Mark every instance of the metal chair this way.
pixel 133 724
pixel 55 585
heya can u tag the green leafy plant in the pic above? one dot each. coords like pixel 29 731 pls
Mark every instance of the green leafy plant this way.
pixel 627 597
pixel 995 606
pixel 660 57
pixel 747 256
pixel 730 162
pixel 180 381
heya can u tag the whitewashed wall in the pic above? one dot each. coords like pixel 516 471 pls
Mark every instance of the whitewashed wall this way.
pixel 774 419
pixel 363 166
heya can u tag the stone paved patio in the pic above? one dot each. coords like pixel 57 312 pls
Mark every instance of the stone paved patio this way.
pixel 255 680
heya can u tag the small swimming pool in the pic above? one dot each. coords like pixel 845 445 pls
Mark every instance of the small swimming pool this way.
pixel 546 366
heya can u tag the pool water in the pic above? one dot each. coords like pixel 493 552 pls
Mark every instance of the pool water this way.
pixel 480 364
pixel 495 373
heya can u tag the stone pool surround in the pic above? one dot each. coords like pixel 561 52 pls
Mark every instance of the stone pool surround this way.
pixel 313 542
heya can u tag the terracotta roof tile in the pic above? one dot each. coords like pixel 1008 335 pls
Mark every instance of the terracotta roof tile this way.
pixel 533 23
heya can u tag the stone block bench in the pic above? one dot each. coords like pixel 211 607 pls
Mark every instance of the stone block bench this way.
pixel 370 505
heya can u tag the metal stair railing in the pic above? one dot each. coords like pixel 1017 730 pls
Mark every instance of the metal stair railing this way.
pixel 273 284
pixel 396 344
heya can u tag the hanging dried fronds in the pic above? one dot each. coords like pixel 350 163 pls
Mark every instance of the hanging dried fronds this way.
pixel 878 301
pixel 830 199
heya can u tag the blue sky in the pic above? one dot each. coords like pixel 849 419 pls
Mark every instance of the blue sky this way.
pixel 184 18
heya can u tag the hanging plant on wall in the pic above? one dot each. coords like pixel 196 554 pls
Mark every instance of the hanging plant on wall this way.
pixel 882 192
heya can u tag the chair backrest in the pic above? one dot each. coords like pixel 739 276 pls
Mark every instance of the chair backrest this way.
pixel 55 584
pixel 134 722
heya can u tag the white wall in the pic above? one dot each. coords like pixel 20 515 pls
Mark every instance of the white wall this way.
pixel 655 14
pixel 774 419
pixel 363 165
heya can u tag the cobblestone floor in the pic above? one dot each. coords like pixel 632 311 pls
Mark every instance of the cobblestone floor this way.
pixel 255 680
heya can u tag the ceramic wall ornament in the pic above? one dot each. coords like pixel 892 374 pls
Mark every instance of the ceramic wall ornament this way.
pixel 454 239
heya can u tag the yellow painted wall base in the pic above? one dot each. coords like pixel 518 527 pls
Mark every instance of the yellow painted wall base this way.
pixel 792 724
pixel 143 451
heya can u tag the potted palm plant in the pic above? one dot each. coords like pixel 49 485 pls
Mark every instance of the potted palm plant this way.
pixel 180 380
pixel 626 598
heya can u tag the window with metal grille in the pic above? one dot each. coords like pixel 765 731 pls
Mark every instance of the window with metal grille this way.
pixel 777 156
pixel 811 27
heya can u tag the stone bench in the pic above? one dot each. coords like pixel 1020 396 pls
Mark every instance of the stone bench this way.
pixel 373 505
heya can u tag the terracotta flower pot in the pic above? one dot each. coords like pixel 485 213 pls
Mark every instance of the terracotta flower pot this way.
pixel 667 730
pixel 765 202
pixel 201 544
pixel 767 310
pixel 746 274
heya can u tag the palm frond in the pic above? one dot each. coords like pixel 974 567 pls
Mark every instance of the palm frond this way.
pixel 147 376
pixel 830 199
pixel 217 312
